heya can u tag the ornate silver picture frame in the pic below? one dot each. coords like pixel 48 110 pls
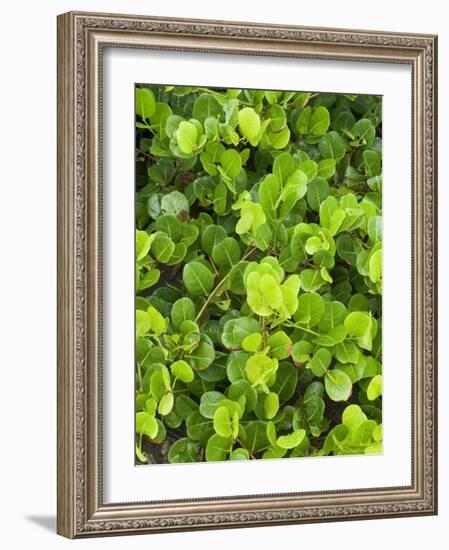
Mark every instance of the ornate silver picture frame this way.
pixel 82 38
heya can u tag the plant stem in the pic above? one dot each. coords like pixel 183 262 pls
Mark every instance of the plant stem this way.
pixel 303 329
pixel 139 372
pixel 145 154
pixel 311 96
pixel 220 284
pixel 361 242
pixel 175 171
pixel 264 339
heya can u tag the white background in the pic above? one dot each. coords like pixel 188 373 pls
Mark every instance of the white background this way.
pixel 28 274
pixel 122 481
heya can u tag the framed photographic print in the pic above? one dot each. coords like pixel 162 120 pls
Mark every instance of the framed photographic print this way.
pixel 246 274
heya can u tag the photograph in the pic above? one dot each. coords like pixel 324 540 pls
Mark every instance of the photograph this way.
pixel 258 276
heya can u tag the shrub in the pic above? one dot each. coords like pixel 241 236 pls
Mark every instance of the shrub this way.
pixel 258 274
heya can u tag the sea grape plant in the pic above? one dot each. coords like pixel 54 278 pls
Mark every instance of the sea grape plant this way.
pixel 258 274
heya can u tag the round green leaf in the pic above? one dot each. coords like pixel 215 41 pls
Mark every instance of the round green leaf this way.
pixel 277 117
pixel 184 450
pixel 252 342
pixel 166 403
pixel 310 310
pixel 170 223
pixel 235 368
pixel 283 167
pixel 320 362
pixel 375 266
pixel 243 388
pixel 235 330
pixel 303 120
pixel 162 247
pixel 332 146
pixel 249 124
pixel 146 424
pixel 186 136
pixel 347 249
pixel 271 291
pixel 210 401
pixel 332 338
pixel 222 422
pixel 333 316
pixel 292 440
pixel 212 235
pixel 174 203
pixel 319 121
pixel 360 325
pixel 347 352
pixel 182 370
pixel 158 323
pixel 231 163
pixel 199 428
pixel 143 323
pixel 286 381
pixel 263 236
pixel 255 436
pixel 311 280
pixel 279 140
pixel 317 191
pixel 271 405
pixel 269 191
pixel 326 168
pixel 363 434
pixel 338 385
pixel 259 368
pixel 185 406
pixel 236 283
pixel 364 131
pixel 182 310
pixel 353 416
pixel 218 448
pixel 239 454
pixel 302 352
pixel 227 253
pixel 145 103
pixel 280 344
pixel 201 357
pixel 374 389
pixel 205 106
pixel 143 244
pixel 198 279
pixel 375 229
pixel 159 119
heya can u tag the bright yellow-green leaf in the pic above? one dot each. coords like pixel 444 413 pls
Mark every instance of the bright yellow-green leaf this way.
pixel 145 103
pixel 182 371
pixel 374 388
pixel 186 135
pixel 292 440
pixel 146 424
pixel 271 291
pixel 249 124
pixel 271 405
pixel 375 266
pixel 158 323
pixel 252 342
pixel 166 404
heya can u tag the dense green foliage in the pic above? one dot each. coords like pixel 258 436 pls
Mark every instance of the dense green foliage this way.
pixel 258 274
